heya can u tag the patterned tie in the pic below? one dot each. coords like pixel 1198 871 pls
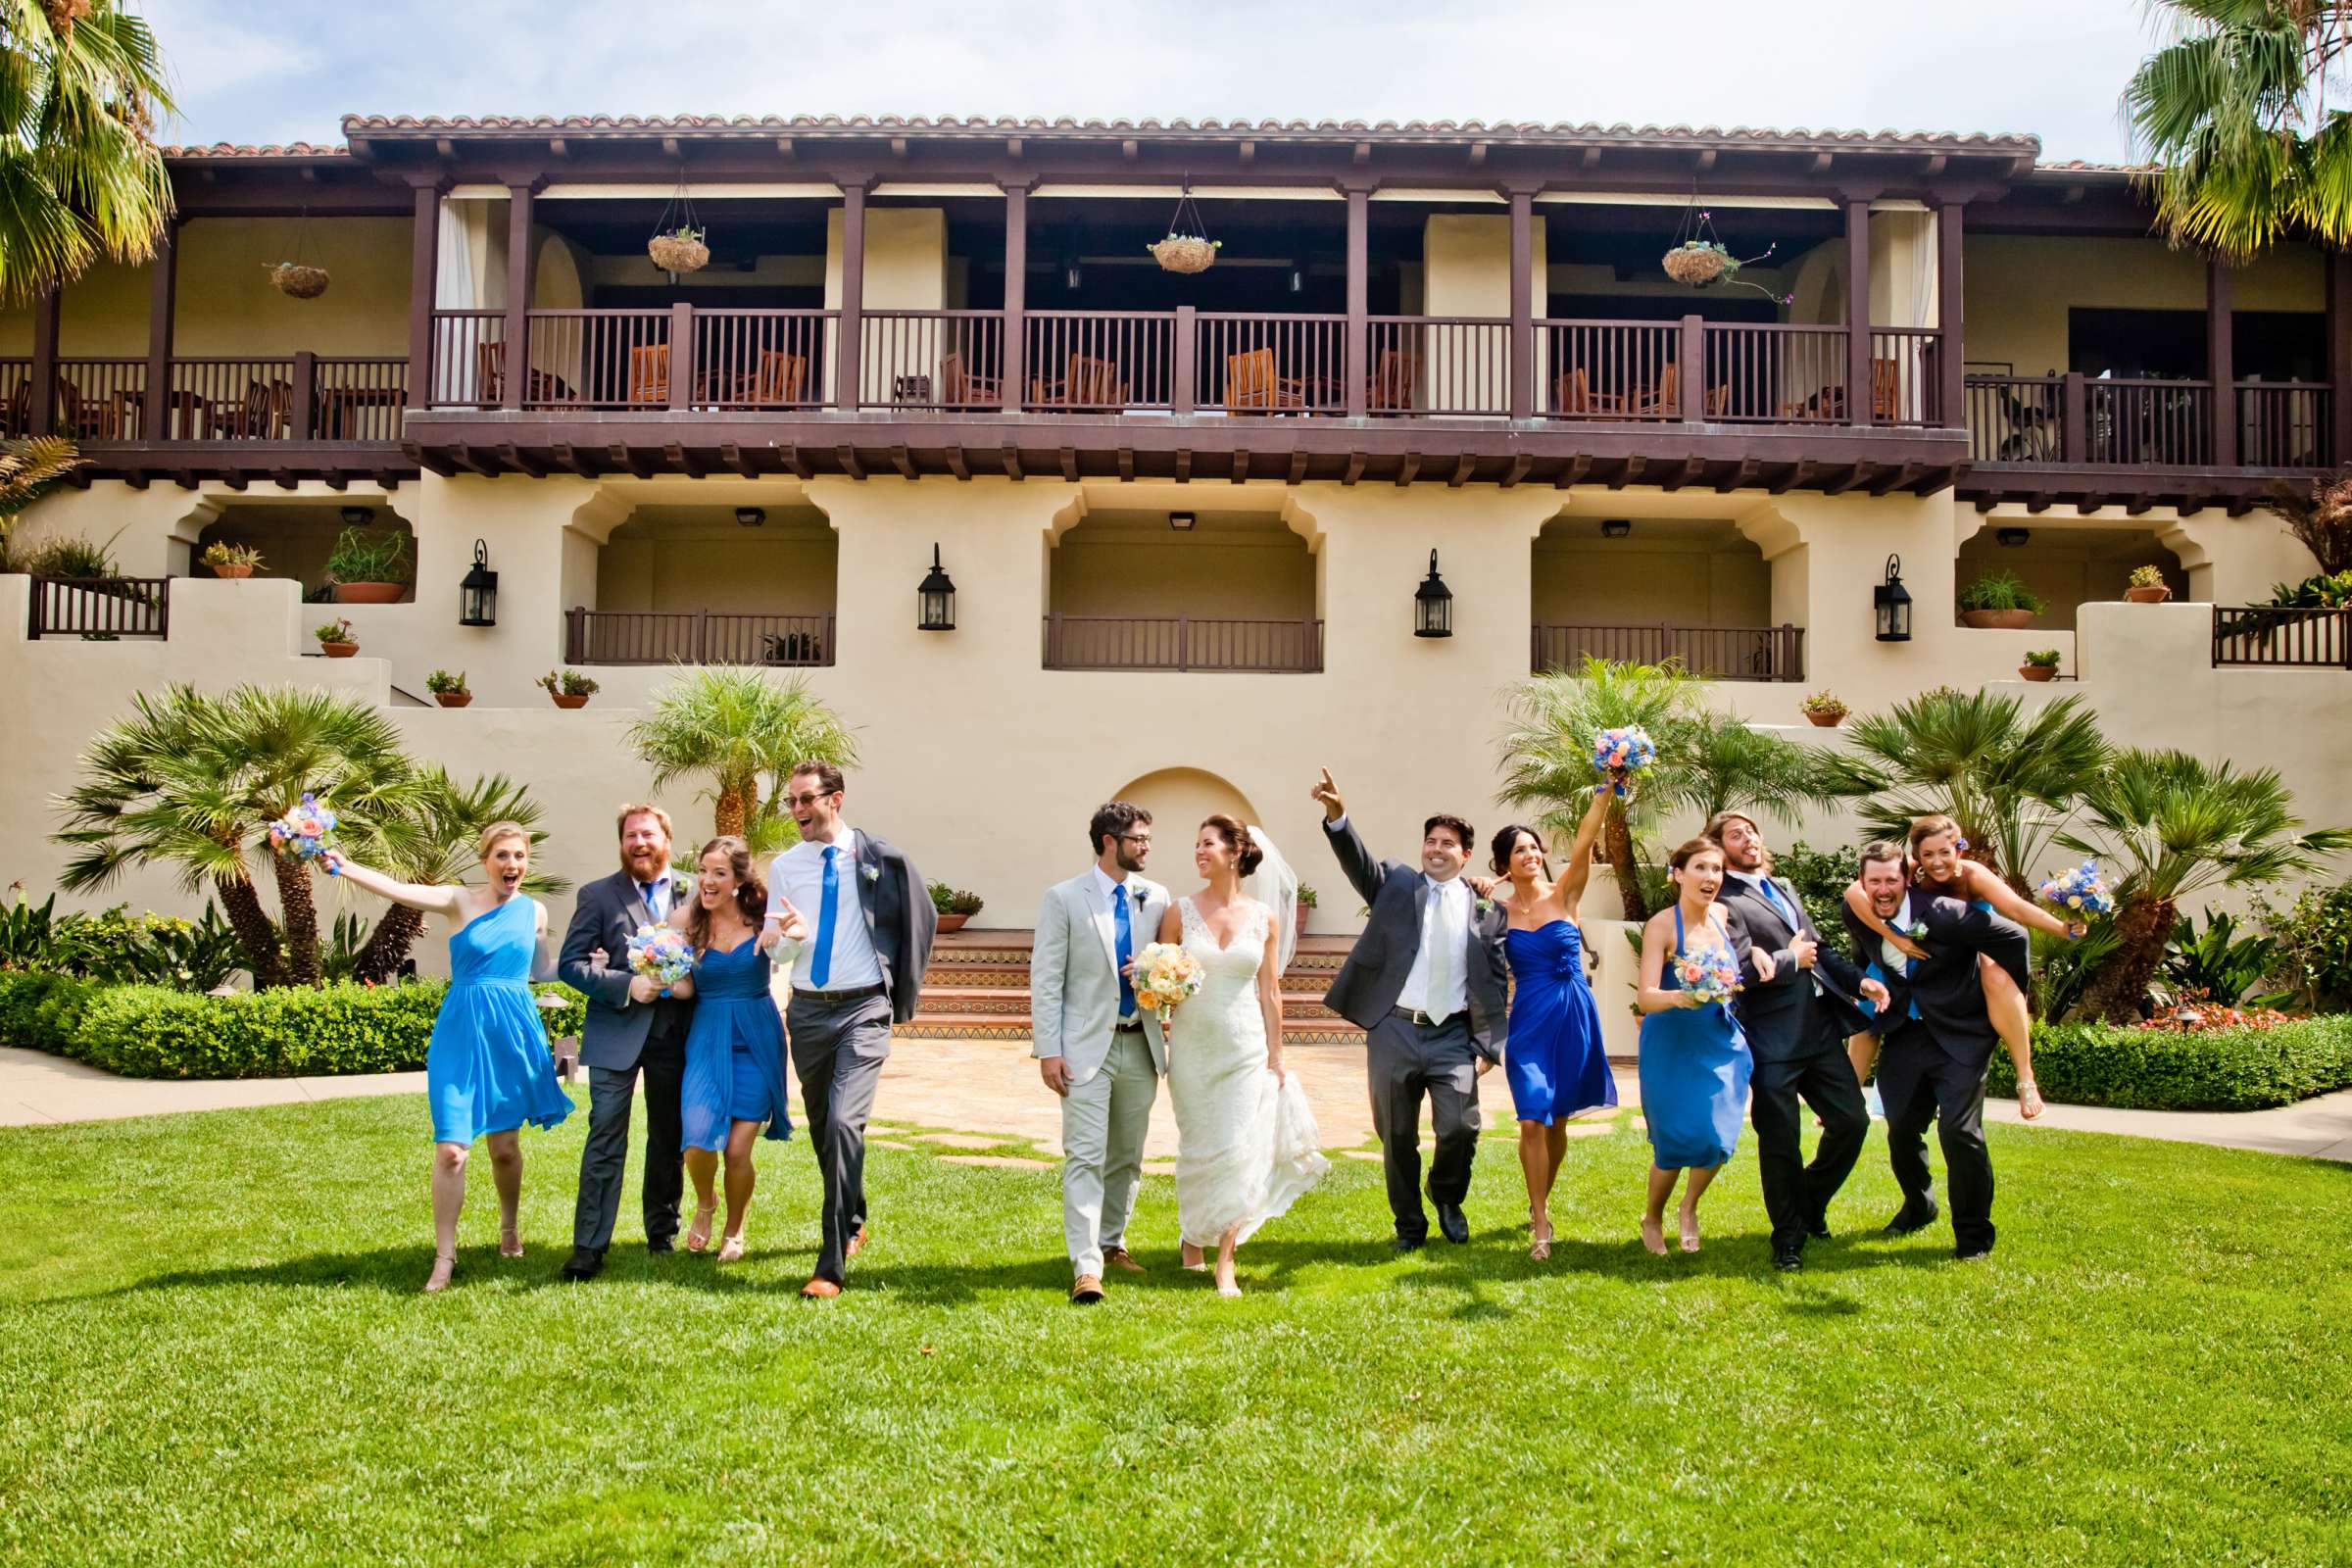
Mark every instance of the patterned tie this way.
pixel 1126 948
pixel 820 965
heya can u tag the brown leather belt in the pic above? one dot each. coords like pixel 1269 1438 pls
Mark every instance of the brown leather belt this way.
pixel 1418 1016
pixel 854 993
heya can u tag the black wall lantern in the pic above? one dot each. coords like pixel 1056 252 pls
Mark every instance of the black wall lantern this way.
pixel 750 517
pixel 1892 604
pixel 2013 538
pixel 1616 528
pixel 937 596
pixel 1433 604
pixel 478 595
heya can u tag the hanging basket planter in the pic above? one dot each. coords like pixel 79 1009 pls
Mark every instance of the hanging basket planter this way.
pixel 679 251
pixel 297 280
pixel 1698 262
pixel 1188 246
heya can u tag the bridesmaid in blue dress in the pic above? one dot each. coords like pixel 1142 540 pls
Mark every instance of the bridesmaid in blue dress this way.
pixel 1554 1058
pixel 1695 1059
pixel 487 1069
pixel 735 1047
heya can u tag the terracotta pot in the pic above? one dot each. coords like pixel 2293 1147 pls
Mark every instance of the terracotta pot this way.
pixel 1824 720
pixel 1306 913
pixel 338 650
pixel 370 593
pixel 1997 619
pixel 2148 596
pixel 232 574
pixel 569 698
pixel 953 922
pixel 452 698
pixel 2037 671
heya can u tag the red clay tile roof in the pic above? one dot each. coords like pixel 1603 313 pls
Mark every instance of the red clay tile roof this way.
pixel 225 149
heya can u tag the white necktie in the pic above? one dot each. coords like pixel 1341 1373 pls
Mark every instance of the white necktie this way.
pixel 1438 1004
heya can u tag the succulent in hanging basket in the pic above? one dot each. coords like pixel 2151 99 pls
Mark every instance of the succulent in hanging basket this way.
pixel 1698 263
pixel 1185 253
pixel 679 250
pixel 302 281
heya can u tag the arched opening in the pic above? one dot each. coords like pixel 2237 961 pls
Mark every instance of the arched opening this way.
pixel 1182 591
pixel 1180 800
pixel 2063 566
pixel 297 539
pixel 1644 590
pixel 712 585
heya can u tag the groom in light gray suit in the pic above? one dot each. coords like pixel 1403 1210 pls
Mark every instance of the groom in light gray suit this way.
pixel 1096 1049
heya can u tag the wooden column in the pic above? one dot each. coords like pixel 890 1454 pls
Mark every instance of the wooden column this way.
pixel 1357 352
pixel 518 298
pixel 2338 431
pixel 1523 314
pixel 1014 370
pixel 2221 291
pixel 162 284
pixel 41 417
pixel 1858 312
pixel 1951 345
pixel 425 263
pixel 853 293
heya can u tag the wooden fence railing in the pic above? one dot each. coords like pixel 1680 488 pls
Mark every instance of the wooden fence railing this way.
pixel 100 609
pixel 1718 652
pixel 695 637
pixel 1183 643
pixel 2266 636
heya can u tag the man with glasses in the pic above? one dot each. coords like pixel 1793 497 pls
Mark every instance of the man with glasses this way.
pixel 1095 1048
pixel 871 922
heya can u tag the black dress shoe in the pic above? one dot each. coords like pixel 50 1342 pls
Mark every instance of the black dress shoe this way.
pixel 1969 1254
pixel 584 1263
pixel 1453 1223
pixel 660 1247
pixel 1788 1259
pixel 1407 1244
pixel 1908 1220
pixel 1818 1233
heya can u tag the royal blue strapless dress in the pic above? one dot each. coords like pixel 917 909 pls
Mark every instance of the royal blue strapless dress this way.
pixel 1695 1071
pixel 1554 1058
pixel 487 1068
pixel 734 1050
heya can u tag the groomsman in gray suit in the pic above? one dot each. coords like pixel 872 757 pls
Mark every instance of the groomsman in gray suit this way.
pixel 1426 984
pixel 1095 1048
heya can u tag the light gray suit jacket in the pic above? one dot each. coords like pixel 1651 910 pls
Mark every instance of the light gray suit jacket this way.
pixel 1074 973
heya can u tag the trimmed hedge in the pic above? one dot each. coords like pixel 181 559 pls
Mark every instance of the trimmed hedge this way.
pixel 2163 1069
pixel 154 1032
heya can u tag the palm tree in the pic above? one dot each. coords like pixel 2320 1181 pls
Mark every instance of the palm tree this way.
pixel 745 730
pixel 1719 763
pixel 2234 114
pixel 80 177
pixel 2166 825
pixel 30 470
pixel 193 781
pixel 431 840
pixel 2007 777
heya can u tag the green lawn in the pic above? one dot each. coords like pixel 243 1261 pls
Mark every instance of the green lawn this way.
pixel 212 1352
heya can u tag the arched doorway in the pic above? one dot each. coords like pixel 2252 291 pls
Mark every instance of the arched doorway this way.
pixel 1179 800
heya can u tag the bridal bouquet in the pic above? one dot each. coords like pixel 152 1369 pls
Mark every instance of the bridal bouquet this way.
pixel 306 832
pixel 1164 975
pixel 2082 889
pixel 1709 975
pixel 659 953
pixel 1622 754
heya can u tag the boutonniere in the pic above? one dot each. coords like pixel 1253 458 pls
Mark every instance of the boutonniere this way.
pixel 1486 907
pixel 871 873
pixel 681 887
pixel 1916 930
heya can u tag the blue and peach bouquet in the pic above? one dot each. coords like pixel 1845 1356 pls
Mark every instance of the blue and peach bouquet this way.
pixel 659 953
pixel 1622 754
pixel 306 832
pixel 1709 975
pixel 2080 890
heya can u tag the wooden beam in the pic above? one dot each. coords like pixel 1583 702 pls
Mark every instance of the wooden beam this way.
pixel 1790 477
pixel 2038 503
pixel 557 147
pixel 1128 150
pixel 1464 467
pixel 1900 478
pixel 231 478
pixel 784 147
pixel 1248 151
pixel 1571 472
pixel 1298 473
pixel 511 456
pixel 1406 469
pixel 284 479
pixel 1012 146
pixel 1935 166
pixel 136 479
pixel 1691 470
pixel 1241 464
pixel 569 460
pixel 2138 504
pixel 624 455
pixel 1988 500
pixel 683 461
pixel 1739 480
pixel 1592 158
pixel 847 456
pixel 461 455
pixel 2240 505
pixel 898 146
pixel 1012 462
pixel 1704 162
pixel 904 461
pixel 1069 465
pixel 671 149
pixel 1517 470
pixel 1184 464
pixel 733 457
pixel 1356 469
pixel 957 465
pixel 1855 474
pixel 2091 502
pixel 1819 166
pixel 1627 472
pixel 798 462
pixel 1362 154
pixel 1126 459
pixel 1478 153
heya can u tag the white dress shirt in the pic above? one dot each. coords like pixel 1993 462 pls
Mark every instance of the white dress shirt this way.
pixel 1897 960
pixel 1106 893
pixel 1441 989
pixel 799 874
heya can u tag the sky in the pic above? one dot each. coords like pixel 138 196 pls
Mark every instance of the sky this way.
pixel 2053 68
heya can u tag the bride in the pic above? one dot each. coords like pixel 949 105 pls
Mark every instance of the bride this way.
pixel 1246 1139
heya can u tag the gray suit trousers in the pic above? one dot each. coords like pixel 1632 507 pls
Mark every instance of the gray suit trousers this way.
pixel 1403 1062
pixel 838 1049
pixel 605 1157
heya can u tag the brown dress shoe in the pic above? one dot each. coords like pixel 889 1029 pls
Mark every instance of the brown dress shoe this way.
pixel 1087 1292
pixel 856 1244
pixel 820 1290
pixel 1120 1258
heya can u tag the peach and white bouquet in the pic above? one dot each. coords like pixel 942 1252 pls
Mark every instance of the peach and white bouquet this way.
pixel 1165 974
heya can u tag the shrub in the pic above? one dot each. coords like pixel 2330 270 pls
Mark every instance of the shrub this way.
pixel 66 558
pixel 441 680
pixel 2166 1070
pixel 1826 704
pixel 120 948
pixel 2147 576
pixel 2315 942
pixel 569 683
pixel 2001 591
pixel 1821 878
pixel 2219 963
pixel 220 553
pixel 2044 659
pixel 337 630
pixel 361 556
pixel 954 901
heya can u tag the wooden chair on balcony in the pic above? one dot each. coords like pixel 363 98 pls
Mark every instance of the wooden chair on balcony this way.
pixel 15 416
pixel 1251 384
pixel 960 389
pixel 781 378
pixel 649 373
pixel 490 380
pixel 1572 393
pixel 1886 391
pixel 1390 390
pixel 1091 383
pixel 266 415
pixel 84 418
pixel 1663 401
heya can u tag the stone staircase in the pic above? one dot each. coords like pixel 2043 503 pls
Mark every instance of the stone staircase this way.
pixel 977 987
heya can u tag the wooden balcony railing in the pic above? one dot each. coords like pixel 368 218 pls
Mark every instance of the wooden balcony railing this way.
pixel 1768 372
pixel 1609 370
pixel 1439 364
pixel 951 360
pixel 2083 420
pixel 2018 418
pixel 695 637
pixel 2270 637
pixel 1102 362
pixel 100 609
pixel 1183 643
pixel 1718 652
pixel 1252 363
pixel 2286 424
pixel 2161 422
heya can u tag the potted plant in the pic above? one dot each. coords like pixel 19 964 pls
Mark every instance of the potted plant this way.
pixel 954 905
pixel 448 690
pixel 2000 601
pixel 1306 904
pixel 2148 586
pixel 298 279
pixel 231 561
pixel 1825 709
pixel 2042 664
pixel 335 640
pixel 369 567
pixel 569 688
pixel 679 250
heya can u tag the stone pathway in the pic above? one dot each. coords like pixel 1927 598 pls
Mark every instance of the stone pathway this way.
pixel 969 1100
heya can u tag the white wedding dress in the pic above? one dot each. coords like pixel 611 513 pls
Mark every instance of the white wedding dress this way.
pixel 1245 1144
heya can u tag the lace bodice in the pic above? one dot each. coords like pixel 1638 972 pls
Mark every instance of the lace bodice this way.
pixel 1228 975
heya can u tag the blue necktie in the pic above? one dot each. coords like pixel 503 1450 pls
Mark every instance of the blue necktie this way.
pixel 1126 948
pixel 820 965
pixel 1781 903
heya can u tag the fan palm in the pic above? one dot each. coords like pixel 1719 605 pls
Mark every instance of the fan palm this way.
pixel 431 840
pixel 2007 777
pixel 744 732
pixel 30 470
pixel 193 781
pixel 2166 825
pixel 2235 113
pixel 80 177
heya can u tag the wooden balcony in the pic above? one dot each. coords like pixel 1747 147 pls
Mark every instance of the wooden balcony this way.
pixel 695 637
pixel 2267 637
pixel 1184 643
pixel 1717 653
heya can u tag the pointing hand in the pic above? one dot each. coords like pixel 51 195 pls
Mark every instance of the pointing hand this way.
pixel 1327 794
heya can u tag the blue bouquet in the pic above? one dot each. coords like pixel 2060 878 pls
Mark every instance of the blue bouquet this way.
pixel 306 832
pixel 2082 889
pixel 1622 754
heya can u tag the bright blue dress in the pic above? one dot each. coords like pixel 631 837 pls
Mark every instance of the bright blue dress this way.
pixel 1554 1057
pixel 1695 1071
pixel 487 1068
pixel 734 1048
